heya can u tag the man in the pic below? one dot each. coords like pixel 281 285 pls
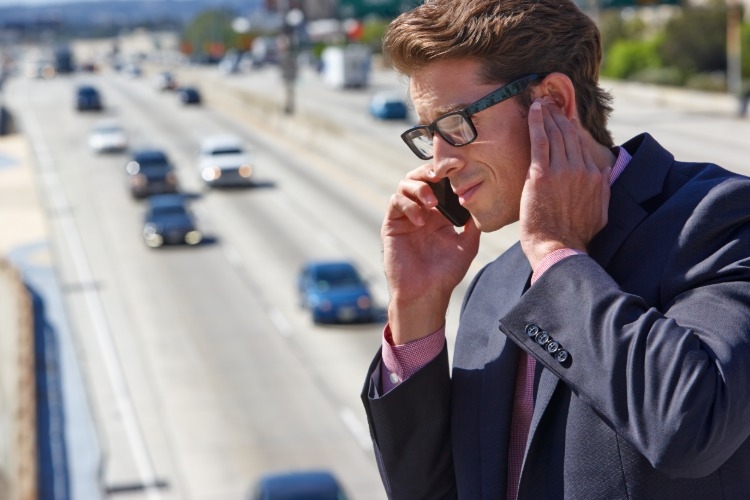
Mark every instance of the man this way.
pixel 607 354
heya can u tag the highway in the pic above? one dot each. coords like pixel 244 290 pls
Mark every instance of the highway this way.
pixel 202 370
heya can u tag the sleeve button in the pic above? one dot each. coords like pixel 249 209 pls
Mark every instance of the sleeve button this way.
pixel 532 330
pixel 542 338
pixel 562 356
pixel 553 346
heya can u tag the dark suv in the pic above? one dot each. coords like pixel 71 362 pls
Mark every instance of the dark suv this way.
pixel 88 98
pixel 150 172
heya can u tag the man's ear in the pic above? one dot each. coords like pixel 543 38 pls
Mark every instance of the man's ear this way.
pixel 560 88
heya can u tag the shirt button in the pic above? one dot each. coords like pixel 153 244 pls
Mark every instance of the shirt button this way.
pixel 395 379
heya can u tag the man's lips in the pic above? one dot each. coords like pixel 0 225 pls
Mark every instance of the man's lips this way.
pixel 465 193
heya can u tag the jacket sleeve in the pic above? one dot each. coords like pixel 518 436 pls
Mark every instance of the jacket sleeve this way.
pixel 410 430
pixel 671 375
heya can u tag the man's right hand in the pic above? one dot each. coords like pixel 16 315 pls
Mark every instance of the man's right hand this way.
pixel 424 257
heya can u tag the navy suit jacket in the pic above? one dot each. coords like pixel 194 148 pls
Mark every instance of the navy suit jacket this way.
pixel 653 398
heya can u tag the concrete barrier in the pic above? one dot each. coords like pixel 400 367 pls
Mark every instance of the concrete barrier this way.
pixel 18 460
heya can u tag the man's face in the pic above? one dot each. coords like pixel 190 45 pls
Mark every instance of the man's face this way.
pixel 488 174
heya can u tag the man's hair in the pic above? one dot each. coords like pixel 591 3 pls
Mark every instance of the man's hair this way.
pixel 510 38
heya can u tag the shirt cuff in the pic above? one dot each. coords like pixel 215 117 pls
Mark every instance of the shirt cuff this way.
pixel 402 361
pixel 551 259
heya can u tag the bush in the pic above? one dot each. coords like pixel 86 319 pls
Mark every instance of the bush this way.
pixel 660 76
pixel 715 81
pixel 696 40
pixel 745 51
pixel 629 57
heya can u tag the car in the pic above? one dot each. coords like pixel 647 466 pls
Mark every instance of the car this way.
pixel 108 136
pixel 298 485
pixel 189 95
pixel 224 161
pixel 334 292
pixel 169 221
pixel 165 81
pixel 150 172
pixel 88 98
pixel 388 106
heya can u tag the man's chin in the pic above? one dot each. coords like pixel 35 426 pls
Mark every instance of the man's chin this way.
pixel 489 224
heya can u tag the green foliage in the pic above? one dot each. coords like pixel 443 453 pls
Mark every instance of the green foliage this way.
pixel 613 27
pixel 372 35
pixel 713 81
pixel 211 31
pixel 660 76
pixel 695 40
pixel 746 52
pixel 626 58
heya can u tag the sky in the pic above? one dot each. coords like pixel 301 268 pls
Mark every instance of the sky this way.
pixel 16 3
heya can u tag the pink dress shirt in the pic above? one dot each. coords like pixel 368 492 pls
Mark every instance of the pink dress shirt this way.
pixel 402 361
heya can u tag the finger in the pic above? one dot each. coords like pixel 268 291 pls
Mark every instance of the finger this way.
pixel 540 147
pixel 412 199
pixel 588 160
pixel 568 134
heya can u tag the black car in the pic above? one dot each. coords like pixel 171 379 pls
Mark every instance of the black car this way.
pixel 88 98
pixel 189 95
pixel 150 172
pixel 168 221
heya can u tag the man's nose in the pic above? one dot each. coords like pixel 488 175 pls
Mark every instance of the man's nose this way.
pixel 446 158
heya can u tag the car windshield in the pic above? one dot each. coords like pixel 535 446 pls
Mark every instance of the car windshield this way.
pixel 147 161
pixel 169 211
pixel 154 165
pixel 337 277
pixel 109 130
pixel 226 151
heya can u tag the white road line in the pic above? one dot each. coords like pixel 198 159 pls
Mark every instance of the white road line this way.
pixel 102 332
pixel 280 322
pixel 232 255
pixel 352 423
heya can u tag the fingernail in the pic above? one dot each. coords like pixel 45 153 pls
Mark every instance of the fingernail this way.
pixel 536 105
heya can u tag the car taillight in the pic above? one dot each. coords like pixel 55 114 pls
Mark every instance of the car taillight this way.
pixel 363 302
pixel 246 170
pixel 138 180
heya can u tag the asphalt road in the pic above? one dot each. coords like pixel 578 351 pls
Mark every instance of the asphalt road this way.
pixel 202 370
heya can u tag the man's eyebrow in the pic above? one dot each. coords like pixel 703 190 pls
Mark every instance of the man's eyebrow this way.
pixel 444 110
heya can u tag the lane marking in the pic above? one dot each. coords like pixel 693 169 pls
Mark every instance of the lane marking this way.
pixel 351 421
pixel 113 366
pixel 280 322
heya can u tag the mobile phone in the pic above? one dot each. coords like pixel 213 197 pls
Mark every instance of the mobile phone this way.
pixel 448 203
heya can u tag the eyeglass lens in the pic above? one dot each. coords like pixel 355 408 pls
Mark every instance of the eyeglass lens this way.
pixel 453 127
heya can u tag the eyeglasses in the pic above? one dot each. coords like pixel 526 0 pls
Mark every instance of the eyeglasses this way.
pixel 456 127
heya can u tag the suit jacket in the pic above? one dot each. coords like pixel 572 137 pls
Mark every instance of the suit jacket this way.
pixel 651 398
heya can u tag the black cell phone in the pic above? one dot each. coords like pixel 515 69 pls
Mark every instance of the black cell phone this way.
pixel 448 204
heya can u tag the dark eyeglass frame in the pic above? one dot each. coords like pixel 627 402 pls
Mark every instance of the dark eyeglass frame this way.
pixel 496 97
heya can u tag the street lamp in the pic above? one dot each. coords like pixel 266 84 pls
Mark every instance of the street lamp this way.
pixel 289 43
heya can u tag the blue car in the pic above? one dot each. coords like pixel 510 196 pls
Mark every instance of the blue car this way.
pixel 388 106
pixel 334 292
pixel 298 485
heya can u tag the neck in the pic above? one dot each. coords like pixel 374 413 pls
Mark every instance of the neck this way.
pixel 601 155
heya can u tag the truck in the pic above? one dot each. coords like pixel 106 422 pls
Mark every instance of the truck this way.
pixel 346 67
